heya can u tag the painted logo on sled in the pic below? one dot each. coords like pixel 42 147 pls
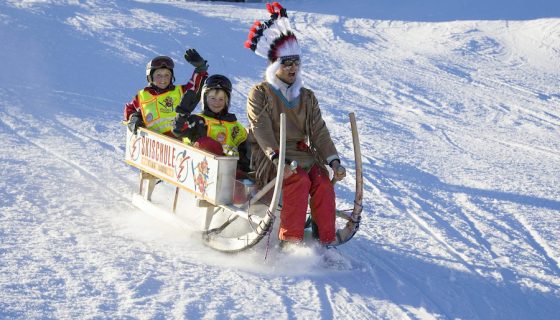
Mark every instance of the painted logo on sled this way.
pixel 134 147
pixel 182 166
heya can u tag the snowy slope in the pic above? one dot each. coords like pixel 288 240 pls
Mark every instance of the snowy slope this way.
pixel 457 106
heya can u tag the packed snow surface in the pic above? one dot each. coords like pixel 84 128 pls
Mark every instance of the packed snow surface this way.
pixel 458 112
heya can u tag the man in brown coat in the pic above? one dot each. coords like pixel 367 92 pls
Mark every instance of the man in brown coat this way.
pixel 307 138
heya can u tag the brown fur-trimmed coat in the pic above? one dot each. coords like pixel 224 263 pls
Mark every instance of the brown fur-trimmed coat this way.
pixel 304 124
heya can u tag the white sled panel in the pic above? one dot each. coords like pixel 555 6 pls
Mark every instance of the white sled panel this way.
pixel 206 175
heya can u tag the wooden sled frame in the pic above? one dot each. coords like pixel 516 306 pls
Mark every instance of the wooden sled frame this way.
pixel 226 227
pixel 353 219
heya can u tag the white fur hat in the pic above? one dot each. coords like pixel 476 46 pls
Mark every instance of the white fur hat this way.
pixel 274 38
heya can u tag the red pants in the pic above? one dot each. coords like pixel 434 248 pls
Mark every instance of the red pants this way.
pixel 295 197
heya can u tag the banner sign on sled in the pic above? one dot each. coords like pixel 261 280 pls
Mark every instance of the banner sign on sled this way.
pixel 208 176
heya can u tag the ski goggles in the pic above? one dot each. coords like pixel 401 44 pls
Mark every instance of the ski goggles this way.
pixel 161 62
pixel 290 61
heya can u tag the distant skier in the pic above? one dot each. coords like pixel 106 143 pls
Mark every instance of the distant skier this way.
pixel 154 107
pixel 215 129
pixel 307 140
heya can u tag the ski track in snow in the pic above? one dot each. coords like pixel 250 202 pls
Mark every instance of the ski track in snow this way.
pixel 459 130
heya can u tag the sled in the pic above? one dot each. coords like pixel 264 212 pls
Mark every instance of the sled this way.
pixel 234 216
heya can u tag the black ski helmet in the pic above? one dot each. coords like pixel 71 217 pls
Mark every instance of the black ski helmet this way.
pixel 158 63
pixel 217 81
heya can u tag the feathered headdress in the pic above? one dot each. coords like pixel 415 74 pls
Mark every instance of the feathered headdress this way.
pixel 274 38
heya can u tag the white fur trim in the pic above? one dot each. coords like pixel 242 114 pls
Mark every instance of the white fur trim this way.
pixel 290 92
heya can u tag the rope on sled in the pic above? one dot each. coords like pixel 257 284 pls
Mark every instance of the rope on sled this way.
pixel 268 232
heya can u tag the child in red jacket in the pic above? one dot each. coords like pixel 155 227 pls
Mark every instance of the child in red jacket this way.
pixel 156 106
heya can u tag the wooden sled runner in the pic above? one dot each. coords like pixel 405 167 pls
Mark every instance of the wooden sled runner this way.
pixel 236 216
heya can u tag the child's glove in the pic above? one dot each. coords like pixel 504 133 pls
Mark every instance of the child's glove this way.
pixel 135 121
pixel 180 125
pixel 194 58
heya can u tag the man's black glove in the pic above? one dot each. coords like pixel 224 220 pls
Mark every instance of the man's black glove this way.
pixel 192 57
pixel 135 121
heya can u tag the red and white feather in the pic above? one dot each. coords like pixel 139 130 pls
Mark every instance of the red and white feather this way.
pixel 274 38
